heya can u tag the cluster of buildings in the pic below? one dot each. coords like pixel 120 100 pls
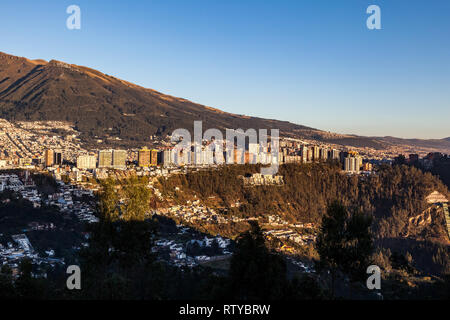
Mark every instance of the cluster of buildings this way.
pixel 353 163
pixel 34 145
pixel 427 162
pixel 149 159
pixel 12 252
pixel 277 228
pixel 11 182
pixel 173 248
pixel 350 160
pixel 64 198
pixel 258 179
pixel 289 152
pixel 291 235
pixel 194 213
pixel 23 185
pixel 23 144
pixel 67 197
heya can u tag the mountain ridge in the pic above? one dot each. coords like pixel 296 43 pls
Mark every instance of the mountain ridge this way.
pixel 32 90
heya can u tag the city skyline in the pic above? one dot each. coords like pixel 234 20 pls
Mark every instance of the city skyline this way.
pixel 312 64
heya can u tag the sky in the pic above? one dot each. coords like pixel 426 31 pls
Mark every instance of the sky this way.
pixel 311 62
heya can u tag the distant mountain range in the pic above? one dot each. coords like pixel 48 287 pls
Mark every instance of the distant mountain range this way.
pixel 443 144
pixel 101 106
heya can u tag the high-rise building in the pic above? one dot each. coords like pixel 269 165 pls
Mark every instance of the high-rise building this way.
pixel 144 157
pixel 105 158
pixel 323 153
pixel 48 157
pixel 343 155
pixel 413 158
pixel 119 159
pixel 316 153
pixel 367 166
pixel 349 164
pixel 209 156
pixel 86 162
pixel 196 151
pixel 176 156
pixel 310 154
pixel 335 154
pixel 167 158
pixel 239 156
pixel 253 150
pixel 252 155
pixel 153 157
pixel 281 158
pixel 304 154
pixel 58 158
pixel 358 163
pixel 182 157
pixel 352 164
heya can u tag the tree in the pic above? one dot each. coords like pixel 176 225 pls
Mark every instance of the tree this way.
pixel 400 160
pixel 137 200
pixel 215 248
pixel 305 288
pixel 118 259
pixel 7 290
pixel 256 273
pixel 344 242
pixel 108 208
pixel 27 287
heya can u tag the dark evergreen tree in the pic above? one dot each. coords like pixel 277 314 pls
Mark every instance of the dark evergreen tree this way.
pixel 256 273
pixel 344 243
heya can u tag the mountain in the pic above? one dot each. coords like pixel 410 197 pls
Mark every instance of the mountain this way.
pixel 437 144
pixel 102 106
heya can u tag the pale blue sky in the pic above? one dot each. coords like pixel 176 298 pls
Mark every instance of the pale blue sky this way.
pixel 310 62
